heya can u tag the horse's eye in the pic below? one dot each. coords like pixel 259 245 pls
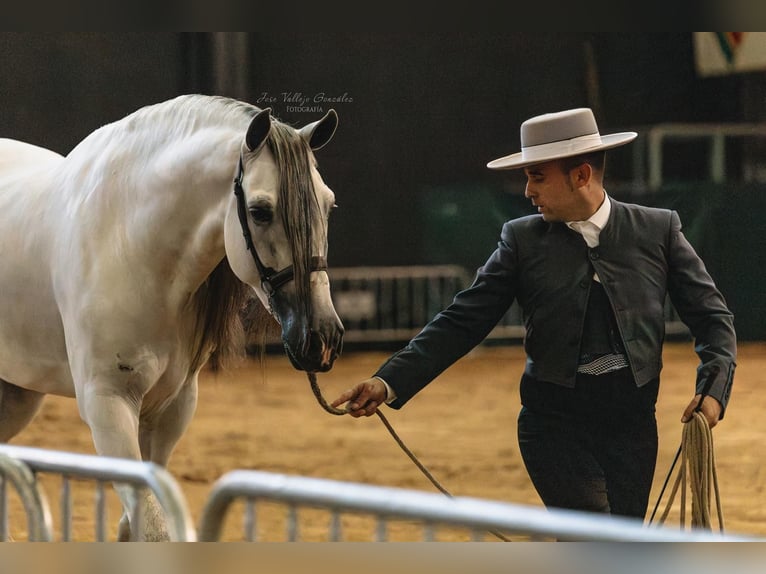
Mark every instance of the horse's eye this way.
pixel 261 215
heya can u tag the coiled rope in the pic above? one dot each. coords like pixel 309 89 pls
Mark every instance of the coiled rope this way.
pixel 335 411
pixel 698 471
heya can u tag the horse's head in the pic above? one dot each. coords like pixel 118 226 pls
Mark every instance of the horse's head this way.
pixel 281 207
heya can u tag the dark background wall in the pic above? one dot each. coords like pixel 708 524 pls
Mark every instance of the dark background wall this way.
pixel 420 114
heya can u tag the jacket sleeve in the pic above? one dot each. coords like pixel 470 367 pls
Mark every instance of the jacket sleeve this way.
pixel 473 313
pixel 702 307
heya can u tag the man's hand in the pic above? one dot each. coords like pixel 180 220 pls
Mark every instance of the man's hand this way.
pixel 711 410
pixel 363 399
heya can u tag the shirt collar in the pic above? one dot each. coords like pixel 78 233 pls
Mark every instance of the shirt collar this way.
pixel 601 217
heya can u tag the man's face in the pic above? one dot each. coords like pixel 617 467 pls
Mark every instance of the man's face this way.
pixel 553 192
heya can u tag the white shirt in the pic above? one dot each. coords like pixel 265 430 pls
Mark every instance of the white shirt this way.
pixel 590 229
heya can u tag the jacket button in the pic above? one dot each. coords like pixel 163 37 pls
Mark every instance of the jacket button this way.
pixel 593 255
pixel 584 284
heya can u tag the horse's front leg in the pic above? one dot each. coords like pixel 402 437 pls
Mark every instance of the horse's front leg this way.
pixel 160 432
pixel 112 415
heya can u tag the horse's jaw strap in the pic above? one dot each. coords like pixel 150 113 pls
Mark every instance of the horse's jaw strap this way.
pixel 271 279
pixel 275 279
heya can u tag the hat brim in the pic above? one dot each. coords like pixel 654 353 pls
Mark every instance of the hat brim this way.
pixel 518 160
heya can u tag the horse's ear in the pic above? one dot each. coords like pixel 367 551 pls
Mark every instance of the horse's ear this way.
pixel 258 130
pixel 318 133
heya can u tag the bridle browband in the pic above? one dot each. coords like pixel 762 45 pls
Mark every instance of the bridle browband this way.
pixel 271 279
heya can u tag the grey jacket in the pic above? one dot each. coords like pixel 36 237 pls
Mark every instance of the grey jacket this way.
pixel 643 256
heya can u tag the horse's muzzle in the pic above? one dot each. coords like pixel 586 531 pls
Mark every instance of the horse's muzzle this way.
pixel 317 351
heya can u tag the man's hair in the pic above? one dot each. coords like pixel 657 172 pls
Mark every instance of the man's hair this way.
pixel 596 160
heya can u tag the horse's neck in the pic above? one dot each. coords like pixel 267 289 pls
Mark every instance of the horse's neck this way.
pixel 167 201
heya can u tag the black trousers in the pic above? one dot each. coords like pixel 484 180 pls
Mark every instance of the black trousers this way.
pixel 592 447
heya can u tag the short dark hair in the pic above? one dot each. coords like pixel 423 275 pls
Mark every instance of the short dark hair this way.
pixel 596 160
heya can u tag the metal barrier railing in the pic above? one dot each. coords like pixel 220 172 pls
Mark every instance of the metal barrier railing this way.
pixel 386 504
pixel 136 474
pixel 431 509
pixel 380 304
pixel 714 134
pixel 39 523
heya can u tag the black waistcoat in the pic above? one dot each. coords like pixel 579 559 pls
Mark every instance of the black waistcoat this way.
pixel 600 335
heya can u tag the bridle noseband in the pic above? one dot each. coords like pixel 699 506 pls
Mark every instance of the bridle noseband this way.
pixel 271 279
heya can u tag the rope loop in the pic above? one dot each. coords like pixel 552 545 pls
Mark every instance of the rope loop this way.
pixel 698 473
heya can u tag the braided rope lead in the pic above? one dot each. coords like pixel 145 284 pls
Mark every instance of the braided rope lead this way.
pixel 698 471
pixel 335 411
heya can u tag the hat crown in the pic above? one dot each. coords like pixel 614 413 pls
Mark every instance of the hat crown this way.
pixel 558 126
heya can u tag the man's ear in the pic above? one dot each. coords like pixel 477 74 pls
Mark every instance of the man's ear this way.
pixel 582 174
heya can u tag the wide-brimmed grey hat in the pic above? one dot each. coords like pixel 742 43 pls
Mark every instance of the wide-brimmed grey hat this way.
pixel 558 135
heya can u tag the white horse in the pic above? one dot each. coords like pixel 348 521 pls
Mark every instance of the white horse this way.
pixel 116 261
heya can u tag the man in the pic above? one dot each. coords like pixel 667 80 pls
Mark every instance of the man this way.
pixel 591 275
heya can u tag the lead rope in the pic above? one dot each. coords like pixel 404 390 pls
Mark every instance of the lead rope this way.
pixel 334 411
pixel 698 469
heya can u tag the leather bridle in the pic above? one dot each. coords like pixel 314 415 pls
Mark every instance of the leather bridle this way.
pixel 271 279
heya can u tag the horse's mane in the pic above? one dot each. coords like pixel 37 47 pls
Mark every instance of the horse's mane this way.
pixel 221 301
pixel 188 113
